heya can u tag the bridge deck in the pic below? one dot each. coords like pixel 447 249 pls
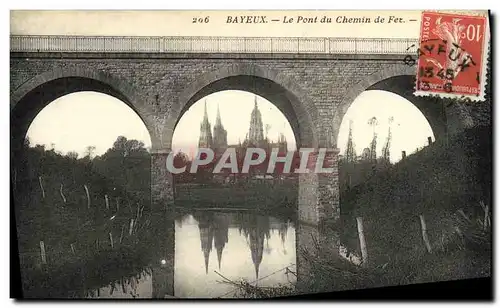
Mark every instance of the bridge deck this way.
pixel 220 45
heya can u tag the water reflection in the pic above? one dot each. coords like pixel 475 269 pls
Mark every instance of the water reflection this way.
pixel 211 249
pixel 140 286
pixel 238 241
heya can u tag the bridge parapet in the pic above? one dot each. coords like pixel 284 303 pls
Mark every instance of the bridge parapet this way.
pixel 160 44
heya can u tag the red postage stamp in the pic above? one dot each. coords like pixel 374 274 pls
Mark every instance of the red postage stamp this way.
pixel 452 56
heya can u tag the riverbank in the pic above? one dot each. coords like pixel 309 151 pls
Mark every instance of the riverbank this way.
pixel 324 272
pixel 84 274
pixel 329 274
pixel 77 275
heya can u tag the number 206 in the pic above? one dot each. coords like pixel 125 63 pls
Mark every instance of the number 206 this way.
pixel 200 20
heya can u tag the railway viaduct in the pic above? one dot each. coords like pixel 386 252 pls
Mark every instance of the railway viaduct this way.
pixel 312 81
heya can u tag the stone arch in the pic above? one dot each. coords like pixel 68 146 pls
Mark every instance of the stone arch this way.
pixel 398 79
pixel 316 197
pixel 50 85
pixel 299 110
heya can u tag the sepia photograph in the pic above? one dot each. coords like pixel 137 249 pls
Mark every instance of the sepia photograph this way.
pixel 278 154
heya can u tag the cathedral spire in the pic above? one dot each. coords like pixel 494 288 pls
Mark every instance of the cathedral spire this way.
pixel 218 121
pixel 219 135
pixel 205 114
pixel 205 140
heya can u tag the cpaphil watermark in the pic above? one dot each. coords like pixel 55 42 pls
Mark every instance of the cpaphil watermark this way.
pixel 305 160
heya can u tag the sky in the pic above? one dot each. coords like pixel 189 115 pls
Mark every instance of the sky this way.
pixel 78 120
pixel 409 128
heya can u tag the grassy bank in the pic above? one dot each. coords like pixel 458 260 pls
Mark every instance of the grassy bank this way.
pixel 77 274
pixel 448 183
pixel 78 218
pixel 334 274
pixel 85 273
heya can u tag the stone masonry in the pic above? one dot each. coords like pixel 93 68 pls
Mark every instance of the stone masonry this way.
pixel 312 91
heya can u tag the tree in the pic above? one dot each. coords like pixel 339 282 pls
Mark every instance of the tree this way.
pixel 268 127
pixel 89 151
pixel 27 142
pixel 386 150
pixel 123 147
pixel 72 155
pixel 350 152
pixel 119 144
pixel 373 145
pixel 181 159
pixel 127 164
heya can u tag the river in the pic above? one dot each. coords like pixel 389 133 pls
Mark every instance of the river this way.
pixel 212 250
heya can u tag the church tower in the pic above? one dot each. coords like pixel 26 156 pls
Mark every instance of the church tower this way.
pixel 256 131
pixel 282 144
pixel 205 140
pixel 219 144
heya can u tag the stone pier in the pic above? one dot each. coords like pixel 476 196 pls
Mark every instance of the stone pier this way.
pixel 162 181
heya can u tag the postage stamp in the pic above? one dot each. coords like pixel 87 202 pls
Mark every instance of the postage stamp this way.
pixel 452 56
